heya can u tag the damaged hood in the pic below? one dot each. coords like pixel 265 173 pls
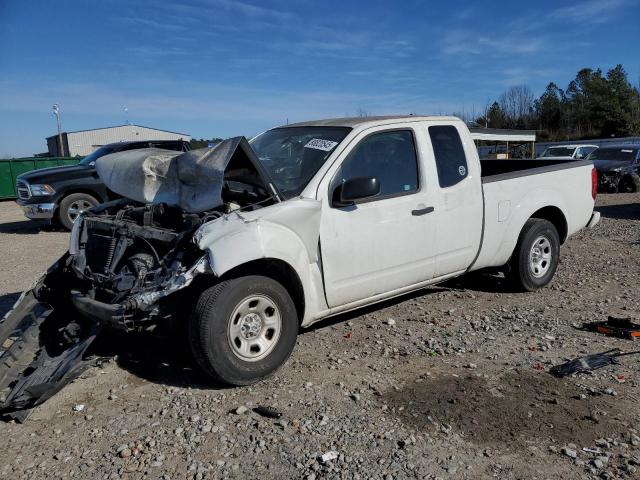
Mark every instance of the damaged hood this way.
pixel 192 181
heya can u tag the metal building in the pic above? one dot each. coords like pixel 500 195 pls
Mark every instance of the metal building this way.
pixel 83 142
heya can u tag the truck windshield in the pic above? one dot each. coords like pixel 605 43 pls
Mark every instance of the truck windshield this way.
pixel 614 154
pixel 92 157
pixel 293 155
pixel 558 152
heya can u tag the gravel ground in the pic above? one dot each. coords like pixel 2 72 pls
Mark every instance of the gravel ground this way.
pixel 449 382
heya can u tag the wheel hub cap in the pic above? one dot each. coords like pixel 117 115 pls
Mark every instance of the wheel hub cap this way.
pixel 250 325
pixel 540 257
pixel 254 328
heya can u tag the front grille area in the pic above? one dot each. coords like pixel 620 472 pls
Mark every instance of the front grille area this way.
pixel 22 187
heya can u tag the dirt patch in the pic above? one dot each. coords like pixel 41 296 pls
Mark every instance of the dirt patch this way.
pixel 513 410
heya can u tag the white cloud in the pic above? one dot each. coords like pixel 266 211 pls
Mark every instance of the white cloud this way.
pixel 591 11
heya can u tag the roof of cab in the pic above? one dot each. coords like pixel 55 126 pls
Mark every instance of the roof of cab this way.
pixel 368 121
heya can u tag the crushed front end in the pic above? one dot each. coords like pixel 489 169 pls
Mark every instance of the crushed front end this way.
pixel 128 257
pixel 129 263
pixel 124 260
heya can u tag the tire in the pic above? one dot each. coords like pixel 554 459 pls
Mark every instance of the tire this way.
pixel 233 333
pixel 629 184
pixel 536 256
pixel 72 205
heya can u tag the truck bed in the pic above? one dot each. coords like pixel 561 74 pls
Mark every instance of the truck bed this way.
pixel 496 170
pixel 515 189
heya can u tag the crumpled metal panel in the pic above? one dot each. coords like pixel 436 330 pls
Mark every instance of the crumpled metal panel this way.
pixel 192 180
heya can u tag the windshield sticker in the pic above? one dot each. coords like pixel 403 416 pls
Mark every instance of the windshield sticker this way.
pixel 320 144
pixel 627 151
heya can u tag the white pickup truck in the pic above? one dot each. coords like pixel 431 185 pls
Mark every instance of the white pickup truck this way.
pixel 247 242
pixel 575 152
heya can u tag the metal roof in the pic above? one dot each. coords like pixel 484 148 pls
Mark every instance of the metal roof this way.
pixel 119 126
pixel 505 135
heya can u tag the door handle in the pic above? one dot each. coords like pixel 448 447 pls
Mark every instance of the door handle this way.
pixel 422 211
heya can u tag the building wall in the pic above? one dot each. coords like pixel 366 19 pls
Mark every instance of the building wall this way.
pixel 85 142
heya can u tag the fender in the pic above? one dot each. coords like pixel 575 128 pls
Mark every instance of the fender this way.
pixel 288 231
pixel 499 243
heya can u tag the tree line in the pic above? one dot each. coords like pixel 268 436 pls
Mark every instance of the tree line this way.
pixel 203 142
pixel 594 105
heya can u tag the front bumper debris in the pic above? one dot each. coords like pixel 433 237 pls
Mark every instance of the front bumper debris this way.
pixel 42 348
pixel 38 211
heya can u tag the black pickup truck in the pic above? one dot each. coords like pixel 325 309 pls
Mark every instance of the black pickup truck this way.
pixel 61 193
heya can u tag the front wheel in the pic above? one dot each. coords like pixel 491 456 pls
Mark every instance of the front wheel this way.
pixel 536 256
pixel 242 330
pixel 73 205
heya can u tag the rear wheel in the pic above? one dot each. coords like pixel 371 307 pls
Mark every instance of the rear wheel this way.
pixel 73 205
pixel 629 184
pixel 242 330
pixel 536 256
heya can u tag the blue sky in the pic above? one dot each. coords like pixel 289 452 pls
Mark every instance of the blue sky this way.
pixel 227 67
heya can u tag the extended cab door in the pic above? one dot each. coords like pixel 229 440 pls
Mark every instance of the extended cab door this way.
pixel 459 204
pixel 385 242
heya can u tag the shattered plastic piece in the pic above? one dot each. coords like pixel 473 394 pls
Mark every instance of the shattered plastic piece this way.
pixel 591 450
pixel 589 363
pixel 191 180
pixel 328 456
pixel 268 412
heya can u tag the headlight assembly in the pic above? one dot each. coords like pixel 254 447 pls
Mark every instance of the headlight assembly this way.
pixel 42 190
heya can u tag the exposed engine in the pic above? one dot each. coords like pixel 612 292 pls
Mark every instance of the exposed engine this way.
pixel 129 256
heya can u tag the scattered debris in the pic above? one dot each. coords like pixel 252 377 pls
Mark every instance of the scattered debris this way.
pixel 328 456
pixel 615 327
pixel 78 408
pixel 241 410
pixel 591 450
pixel 538 366
pixel 268 412
pixel 569 452
pixel 589 363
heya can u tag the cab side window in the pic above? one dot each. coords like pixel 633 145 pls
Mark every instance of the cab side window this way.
pixel 388 156
pixel 451 161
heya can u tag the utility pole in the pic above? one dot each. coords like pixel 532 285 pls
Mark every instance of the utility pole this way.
pixel 56 112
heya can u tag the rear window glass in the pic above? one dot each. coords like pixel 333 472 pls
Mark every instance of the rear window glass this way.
pixel 451 161
pixel 614 154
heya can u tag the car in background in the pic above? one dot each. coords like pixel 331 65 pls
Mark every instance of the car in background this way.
pixel 618 168
pixel 577 152
pixel 61 193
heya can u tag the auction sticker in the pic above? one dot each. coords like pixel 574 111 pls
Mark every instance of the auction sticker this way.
pixel 320 144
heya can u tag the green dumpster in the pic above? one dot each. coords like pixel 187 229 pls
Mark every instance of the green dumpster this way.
pixel 11 168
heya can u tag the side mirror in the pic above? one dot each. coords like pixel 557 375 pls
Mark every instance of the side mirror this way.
pixel 354 189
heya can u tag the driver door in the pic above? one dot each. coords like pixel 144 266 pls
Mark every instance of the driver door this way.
pixel 385 242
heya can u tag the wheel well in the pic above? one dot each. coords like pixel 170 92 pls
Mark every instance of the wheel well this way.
pixel 71 191
pixel 556 217
pixel 278 270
